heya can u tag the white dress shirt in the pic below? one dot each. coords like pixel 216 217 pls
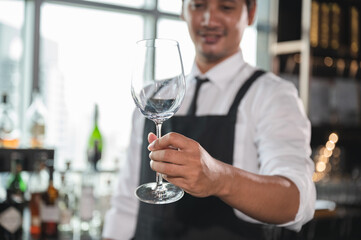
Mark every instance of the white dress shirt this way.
pixel 272 138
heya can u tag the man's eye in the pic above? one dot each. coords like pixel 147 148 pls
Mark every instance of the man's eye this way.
pixel 196 5
pixel 227 7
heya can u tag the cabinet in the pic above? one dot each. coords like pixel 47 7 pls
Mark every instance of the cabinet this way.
pixel 317 46
pixel 69 183
pixel 318 42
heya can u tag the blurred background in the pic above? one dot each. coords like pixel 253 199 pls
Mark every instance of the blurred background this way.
pixel 66 105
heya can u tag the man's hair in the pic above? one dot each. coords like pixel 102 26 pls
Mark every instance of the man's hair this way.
pixel 250 4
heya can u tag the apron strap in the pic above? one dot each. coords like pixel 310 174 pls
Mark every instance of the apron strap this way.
pixel 243 90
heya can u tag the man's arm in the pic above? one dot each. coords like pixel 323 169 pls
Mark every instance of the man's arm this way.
pixel 271 199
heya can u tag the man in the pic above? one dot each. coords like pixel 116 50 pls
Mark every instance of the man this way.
pixel 241 156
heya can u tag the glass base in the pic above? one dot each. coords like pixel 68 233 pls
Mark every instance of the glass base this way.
pixel 166 193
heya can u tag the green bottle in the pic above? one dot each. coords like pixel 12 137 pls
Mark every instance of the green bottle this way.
pixel 16 185
pixel 11 210
pixel 95 143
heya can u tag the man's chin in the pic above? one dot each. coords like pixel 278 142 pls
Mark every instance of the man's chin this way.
pixel 212 56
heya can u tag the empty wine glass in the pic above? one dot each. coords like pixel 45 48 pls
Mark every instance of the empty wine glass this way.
pixel 158 88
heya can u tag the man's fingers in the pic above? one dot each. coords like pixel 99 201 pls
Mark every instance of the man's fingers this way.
pixel 168 169
pixel 178 181
pixel 168 155
pixel 173 140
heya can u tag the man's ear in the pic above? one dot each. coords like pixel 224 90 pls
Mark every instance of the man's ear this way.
pixel 252 13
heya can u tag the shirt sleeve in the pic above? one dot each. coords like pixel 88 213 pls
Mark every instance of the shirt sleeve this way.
pixel 283 134
pixel 120 220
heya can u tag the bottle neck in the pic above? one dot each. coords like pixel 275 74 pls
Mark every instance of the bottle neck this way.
pixel 4 99
pixel 51 183
pixel 16 170
pixel 96 115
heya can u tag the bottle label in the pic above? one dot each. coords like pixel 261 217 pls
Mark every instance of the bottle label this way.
pixel 35 221
pixel 87 203
pixel 49 213
pixel 11 219
pixel 65 216
pixel 17 198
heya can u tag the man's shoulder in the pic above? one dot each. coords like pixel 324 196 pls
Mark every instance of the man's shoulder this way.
pixel 269 85
pixel 270 80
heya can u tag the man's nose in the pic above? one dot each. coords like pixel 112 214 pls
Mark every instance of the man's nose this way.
pixel 210 17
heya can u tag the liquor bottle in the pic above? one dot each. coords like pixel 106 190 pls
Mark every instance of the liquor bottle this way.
pixel 35 221
pixel 11 210
pixel 10 219
pixel 49 210
pixel 67 201
pixel 38 184
pixel 9 132
pixel 104 198
pixel 95 143
pixel 36 122
pixel 16 184
pixel 87 198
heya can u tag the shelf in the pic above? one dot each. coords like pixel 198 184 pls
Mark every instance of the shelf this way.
pixel 30 157
pixel 287 47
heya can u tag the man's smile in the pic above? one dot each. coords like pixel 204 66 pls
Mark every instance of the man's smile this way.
pixel 211 36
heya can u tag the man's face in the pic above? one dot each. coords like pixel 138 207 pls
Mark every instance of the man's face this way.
pixel 216 26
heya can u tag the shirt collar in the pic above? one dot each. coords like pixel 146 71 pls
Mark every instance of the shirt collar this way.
pixel 223 72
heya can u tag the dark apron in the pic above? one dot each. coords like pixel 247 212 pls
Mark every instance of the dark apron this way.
pixel 191 217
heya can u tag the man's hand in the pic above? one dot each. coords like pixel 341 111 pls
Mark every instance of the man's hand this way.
pixel 185 163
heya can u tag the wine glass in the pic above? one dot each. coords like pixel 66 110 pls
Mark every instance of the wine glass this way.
pixel 158 88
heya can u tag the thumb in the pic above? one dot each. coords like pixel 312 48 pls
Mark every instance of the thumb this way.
pixel 151 137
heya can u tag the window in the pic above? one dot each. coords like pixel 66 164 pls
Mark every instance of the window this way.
pixel 127 3
pixel 84 51
pixel 11 50
pixel 166 28
pixel 85 60
pixel 170 6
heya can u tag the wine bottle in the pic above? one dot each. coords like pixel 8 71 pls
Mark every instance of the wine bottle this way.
pixel 354 31
pixel 95 143
pixel 325 25
pixel 49 210
pixel 36 122
pixel 11 210
pixel 335 27
pixel 314 32
pixel 9 132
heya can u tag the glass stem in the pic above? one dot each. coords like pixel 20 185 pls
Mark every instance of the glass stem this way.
pixel 159 178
